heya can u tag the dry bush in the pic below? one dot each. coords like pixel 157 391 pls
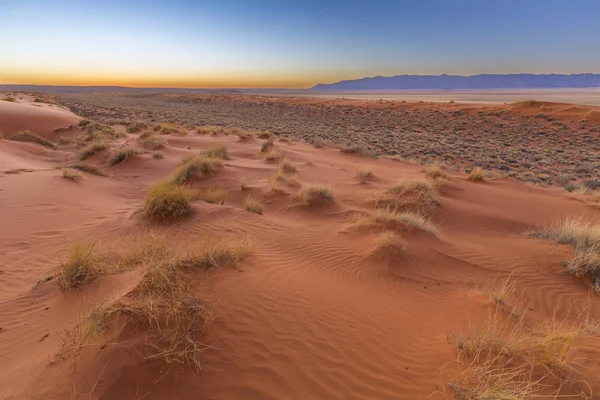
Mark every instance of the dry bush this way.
pixel 198 166
pixel 574 231
pixel 435 171
pixel 312 193
pixel 71 175
pixel 217 151
pixel 418 196
pixel 264 135
pixel 243 184
pixel 284 177
pixel 285 140
pixel 243 135
pixel 98 132
pixel 251 204
pixel 287 166
pixel 158 156
pixel 364 175
pixel 477 174
pixel 272 156
pixel 153 142
pixel 167 200
pixel 388 244
pixel 84 122
pixel 135 126
pixel 584 261
pixel 88 331
pixel 91 149
pixel 318 143
pixel 88 169
pixel 10 99
pixel 79 269
pixel 391 217
pixel 123 155
pixel 27 136
pixel 267 147
pixel 168 129
pixel 354 149
pixel 210 195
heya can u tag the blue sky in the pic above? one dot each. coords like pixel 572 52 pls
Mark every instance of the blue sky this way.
pixel 268 43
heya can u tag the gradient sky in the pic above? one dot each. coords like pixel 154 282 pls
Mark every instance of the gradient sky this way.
pixel 285 43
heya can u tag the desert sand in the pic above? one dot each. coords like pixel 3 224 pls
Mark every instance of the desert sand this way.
pixel 322 307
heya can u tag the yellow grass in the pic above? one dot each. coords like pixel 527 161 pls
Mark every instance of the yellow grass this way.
pixel 27 136
pixel 71 175
pixel 91 149
pixel 198 166
pixel 211 195
pixel 388 244
pixel 153 142
pixel 216 151
pixel 417 196
pixel 79 268
pixel 167 200
pixel 253 205
pixel 287 166
pixel 313 193
pixel 123 155
pixel 477 174
pixel 435 171
pixel 364 174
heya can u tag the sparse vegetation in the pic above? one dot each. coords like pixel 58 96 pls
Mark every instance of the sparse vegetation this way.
pixel 9 98
pixel 211 195
pixel 79 268
pixel 88 169
pixel 417 196
pixel 198 166
pixel 392 219
pixel 153 142
pixel 71 175
pixel 168 201
pixel 168 129
pixel 135 126
pixel 477 175
pixel 388 244
pixel 364 175
pixel 91 149
pixel 354 149
pixel 287 166
pixel 435 171
pixel 28 136
pixel 123 155
pixel 253 205
pixel 217 151
pixel 312 194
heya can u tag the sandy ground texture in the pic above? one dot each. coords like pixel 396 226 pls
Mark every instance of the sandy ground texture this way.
pixel 393 281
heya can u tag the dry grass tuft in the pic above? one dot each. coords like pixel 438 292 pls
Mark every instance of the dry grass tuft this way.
pixel 435 171
pixel 167 200
pixel 364 175
pixel 417 196
pixel 135 126
pixel 123 155
pixel 287 166
pixel 477 175
pixel 168 129
pixel 88 169
pixel 79 269
pixel 211 195
pixel 10 99
pixel 217 151
pixel 71 175
pixel 355 149
pixel 388 244
pixel 253 205
pixel 312 194
pixel 27 136
pixel 153 142
pixel 272 156
pixel 198 166
pixel 91 149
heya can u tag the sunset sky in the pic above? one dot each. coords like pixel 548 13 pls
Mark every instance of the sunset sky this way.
pixel 285 43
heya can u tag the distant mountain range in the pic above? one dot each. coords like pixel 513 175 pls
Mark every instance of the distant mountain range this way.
pixel 451 82
pixel 107 89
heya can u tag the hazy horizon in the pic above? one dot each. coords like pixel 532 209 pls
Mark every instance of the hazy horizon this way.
pixel 273 44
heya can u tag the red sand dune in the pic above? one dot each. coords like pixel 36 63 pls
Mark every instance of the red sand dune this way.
pixel 311 314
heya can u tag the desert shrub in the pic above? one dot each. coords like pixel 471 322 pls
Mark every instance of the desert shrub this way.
pixel 84 122
pixel 211 195
pixel 79 268
pixel 435 171
pixel 135 126
pixel 267 147
pixel 311 194
pixel 27 136
pixel 251 204
pixel 71 175
pixel 388 244
pixel 198 166
pixel 264 135
pixel 317 142
pixel 123 155
pixel 153 142
pixel 477 174
pixel 217 151
pixel 364 175
pixel 167 200
pixel 168 129
pixel 88 169
pixel 354 149
pixel 272 156
pixel 418 196
pixel 91 149
pixel 391 218
pixel 287 166
pixel 9 98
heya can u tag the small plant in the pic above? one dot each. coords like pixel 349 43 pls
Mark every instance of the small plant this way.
pixel 88 169
pixel 153 142
pixel 84 122
pixel 417 196
pixel 287 166
pixel 135 126
pixel 243 184
pixel 267 147
pixel 168 129
pixel 71 175
pixel 91 149
pixel 318 143
pixel 272 155
pixel 264 135
pixel 435 171
pixel 477 175
pixel 253 205
pixel 9 98
pixel 167 201
pixel 158 156
pixel 198 166
pixel 364 175
pixel 27 136
pixel 355 149
pixel 211 195
pixel 388 244
pixel 79 269
pixel 311 194
pixel 123 155
pixel 217 151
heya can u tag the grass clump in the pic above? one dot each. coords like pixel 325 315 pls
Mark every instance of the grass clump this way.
pixel 9 98
pixel 123 155
pixel 88 169
pixel 435 171
pixel 312 194
pixel 135 126
pixel 417 196
pixel 269 151
pixel 91 149
pixel 217 151
pixel 71 175
pixel 211 195
pixel 28 136
pixel 364 175
pixel 287 166
pixel 477 175
pixel 388 244
pixel 168 201
pixel 253 205
pixel 354 149
pixel 318 143
pixel 393 219
pixel 168 129
pixel 79 269
pixel 153 142
pixel 198 166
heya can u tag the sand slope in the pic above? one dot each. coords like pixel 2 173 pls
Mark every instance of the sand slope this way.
pixel 310 314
